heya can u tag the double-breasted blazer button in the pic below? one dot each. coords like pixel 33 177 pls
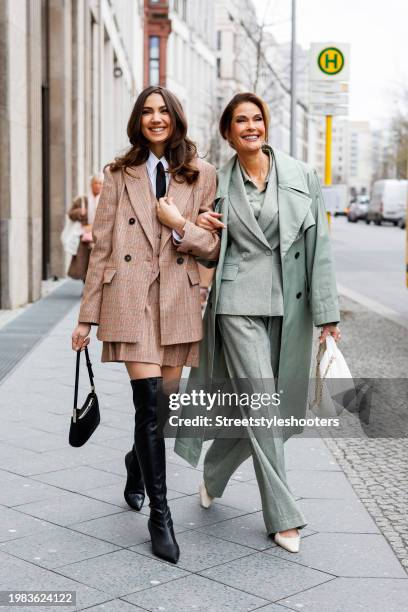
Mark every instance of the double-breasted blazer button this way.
pixel 269 253
pixel 297 254
pixel 132 221
pixel 159 235
pixel 180 260
pixel 299 295
pixel 128 257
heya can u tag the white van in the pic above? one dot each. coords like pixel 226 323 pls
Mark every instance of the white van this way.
pixel 388 201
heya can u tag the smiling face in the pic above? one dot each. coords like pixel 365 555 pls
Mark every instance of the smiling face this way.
pixel 156 122
pixel 247 130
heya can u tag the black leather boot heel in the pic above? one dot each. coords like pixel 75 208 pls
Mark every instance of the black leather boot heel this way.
pixel 151 452
pixel 134 492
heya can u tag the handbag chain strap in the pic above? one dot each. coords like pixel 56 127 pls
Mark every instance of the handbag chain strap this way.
pixel 91 378
pixel 319 378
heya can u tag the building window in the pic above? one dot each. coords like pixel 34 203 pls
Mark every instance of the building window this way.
pixel 218 67
pixel 219 37
pixel 154 60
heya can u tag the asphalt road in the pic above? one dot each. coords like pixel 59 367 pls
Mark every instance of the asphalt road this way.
pixel 370 264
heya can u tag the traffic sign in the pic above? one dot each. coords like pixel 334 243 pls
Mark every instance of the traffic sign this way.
pixel 341 99
pixel 328 87
pixel 329 61
pixel 328 109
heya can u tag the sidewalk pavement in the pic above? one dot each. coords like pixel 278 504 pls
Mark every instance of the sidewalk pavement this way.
pixel 64 524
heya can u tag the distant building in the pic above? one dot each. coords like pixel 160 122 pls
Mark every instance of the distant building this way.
pixel 360 162
pixel 70 74
pixel 180 54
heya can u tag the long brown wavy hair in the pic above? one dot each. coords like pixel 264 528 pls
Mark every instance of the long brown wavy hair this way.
pixel 180 151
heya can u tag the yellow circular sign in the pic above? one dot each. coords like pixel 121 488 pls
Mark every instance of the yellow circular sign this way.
pixel 330 60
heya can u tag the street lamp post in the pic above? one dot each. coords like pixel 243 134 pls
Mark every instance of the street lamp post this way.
pixel 293 84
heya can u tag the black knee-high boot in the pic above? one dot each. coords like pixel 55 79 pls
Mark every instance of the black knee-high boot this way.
pixel 151 452
pixel 134 492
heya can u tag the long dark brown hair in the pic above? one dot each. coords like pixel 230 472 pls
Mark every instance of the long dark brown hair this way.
pixel 180 151
pixel 226 117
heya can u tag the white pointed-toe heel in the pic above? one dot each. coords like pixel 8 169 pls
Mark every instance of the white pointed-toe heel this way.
pixel 205 499
pixel 290 544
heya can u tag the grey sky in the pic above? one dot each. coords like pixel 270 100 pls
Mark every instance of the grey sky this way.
pixel 378 33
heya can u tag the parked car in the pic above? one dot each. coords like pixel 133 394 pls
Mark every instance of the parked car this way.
pixel 402 222
pixel 388 201
pixel 335 199
pixel 358 209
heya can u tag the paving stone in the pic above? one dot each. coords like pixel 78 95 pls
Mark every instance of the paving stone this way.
pixel 187 512
pixel 28 463
pixel 122 572
pixel 124 529
pixel 195 593
pixel 120 443
pixel 255 574
pixel 272 608
pixel 331 515
pixel 113 494
pixel 200 551
pixel 184 480
pixel 79 479
pixel 242 496
pixel 68 508
pixel 248 530
pixel 39 441
pixel 55 546
pixel 308 454
pixel 90 454
pixel 15 525
pixel 116 605
pixel 24 490
pixel 351 594
pixel 18 575
pixel 346 554
pixel 320 484
pixel 244 472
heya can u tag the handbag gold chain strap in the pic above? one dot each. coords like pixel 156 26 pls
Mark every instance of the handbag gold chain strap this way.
pixel 319 378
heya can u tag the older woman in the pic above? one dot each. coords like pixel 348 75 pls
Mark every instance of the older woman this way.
pixel 83 209
pixel 274 279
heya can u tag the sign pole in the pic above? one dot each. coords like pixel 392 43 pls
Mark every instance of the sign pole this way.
pixel 328 160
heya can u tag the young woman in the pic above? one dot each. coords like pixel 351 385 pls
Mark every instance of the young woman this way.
pixel 274 279
pixel 142 287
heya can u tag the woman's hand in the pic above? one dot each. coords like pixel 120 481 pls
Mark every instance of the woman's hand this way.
pixel 169 215
pixel 79 336
pixel 210 220
pixel 330 330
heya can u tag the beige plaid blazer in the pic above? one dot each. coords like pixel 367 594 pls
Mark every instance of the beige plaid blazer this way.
pixel 122 261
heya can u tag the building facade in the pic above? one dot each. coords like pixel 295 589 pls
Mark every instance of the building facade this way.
pixel 71 73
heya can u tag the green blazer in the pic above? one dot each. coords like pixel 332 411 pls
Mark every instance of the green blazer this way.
pixel 309 292
pixel 251 279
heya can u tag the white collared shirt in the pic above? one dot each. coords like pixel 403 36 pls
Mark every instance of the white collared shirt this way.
pixel 151 166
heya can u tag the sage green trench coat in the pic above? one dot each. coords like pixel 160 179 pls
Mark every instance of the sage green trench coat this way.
pixel 307 269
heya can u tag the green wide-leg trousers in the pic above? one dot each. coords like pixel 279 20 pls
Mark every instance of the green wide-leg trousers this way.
pixel 251 349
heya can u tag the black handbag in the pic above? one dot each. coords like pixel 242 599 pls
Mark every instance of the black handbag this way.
pixel 84 420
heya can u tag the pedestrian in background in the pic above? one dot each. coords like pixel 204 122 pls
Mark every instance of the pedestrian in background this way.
pixel 83 209
pixel 143 286
pixel 274 279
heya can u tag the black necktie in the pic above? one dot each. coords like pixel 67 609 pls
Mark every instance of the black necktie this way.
pixel 160 181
